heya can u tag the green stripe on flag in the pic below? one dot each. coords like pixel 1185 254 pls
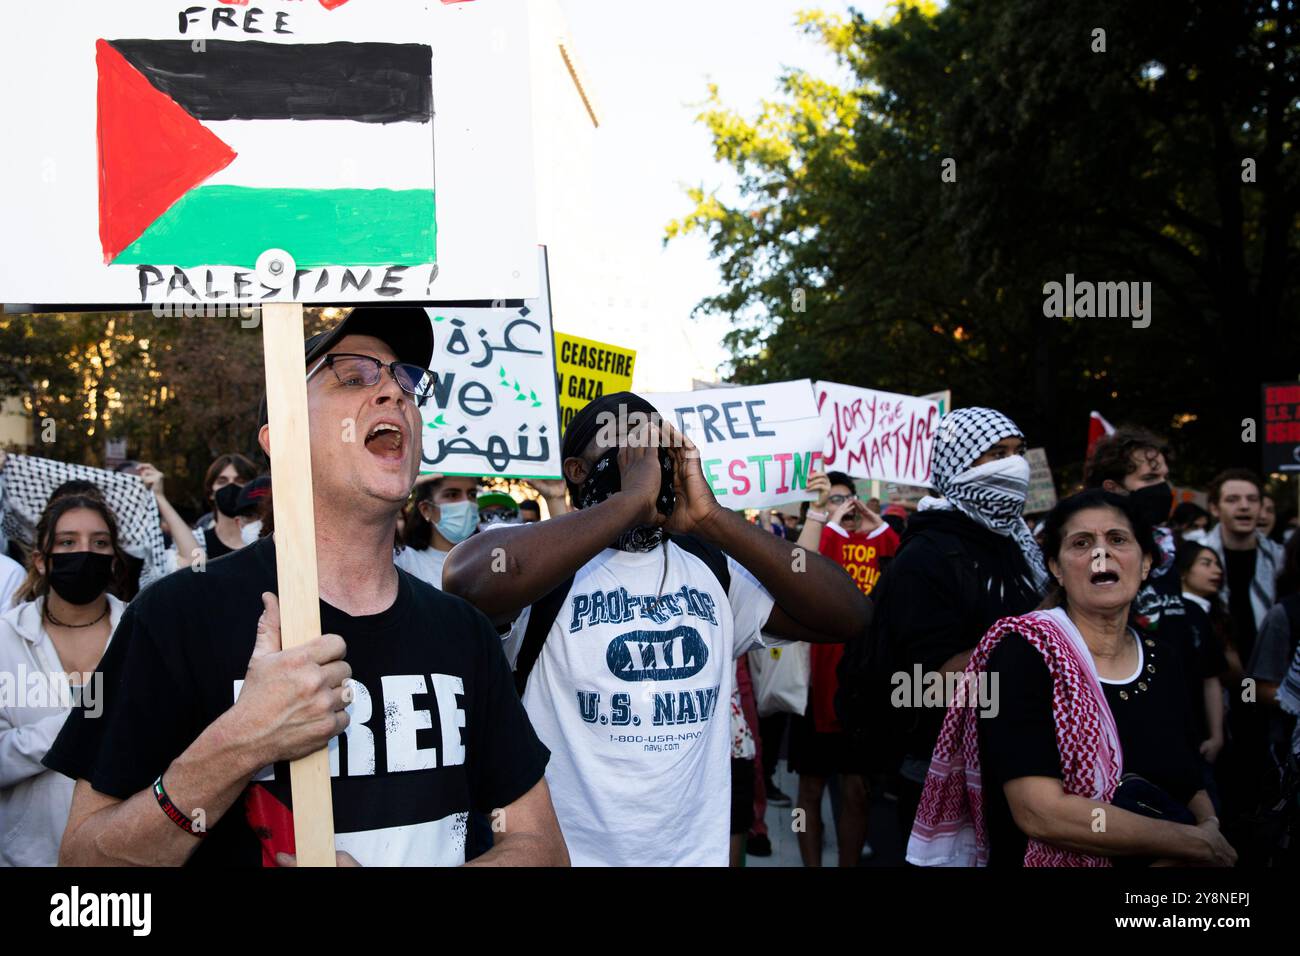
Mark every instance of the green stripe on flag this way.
pixel 233 225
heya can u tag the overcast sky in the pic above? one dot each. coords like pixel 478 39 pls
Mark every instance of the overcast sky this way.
pixel 650 73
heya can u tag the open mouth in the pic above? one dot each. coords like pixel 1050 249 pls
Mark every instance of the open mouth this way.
pixel 1104 578
pixel 386 440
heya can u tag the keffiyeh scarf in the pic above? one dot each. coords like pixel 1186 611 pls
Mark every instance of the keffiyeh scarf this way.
pixel 950 829
pixel 1288 698
pixel 992 494
pixel 27 483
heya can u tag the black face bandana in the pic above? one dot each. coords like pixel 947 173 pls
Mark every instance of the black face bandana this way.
pixel 1153 503
pixel 605 480
pixel 79 577
pixel 227 499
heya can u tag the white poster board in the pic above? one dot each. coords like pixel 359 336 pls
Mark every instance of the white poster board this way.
pixel 494 409
pixel 159 149
pixel 757 443
pixel 879 435
pixel 1042 489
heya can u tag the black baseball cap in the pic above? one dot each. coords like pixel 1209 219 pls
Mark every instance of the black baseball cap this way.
pixel 404 329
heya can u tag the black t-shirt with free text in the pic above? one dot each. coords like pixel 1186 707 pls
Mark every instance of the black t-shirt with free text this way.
pixel 436 727
pixel 1150 714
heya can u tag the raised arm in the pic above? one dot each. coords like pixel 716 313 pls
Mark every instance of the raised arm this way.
pixel 810 535
pixel 552 491
pixel 816 600
pixel 505 571
pixel 183 537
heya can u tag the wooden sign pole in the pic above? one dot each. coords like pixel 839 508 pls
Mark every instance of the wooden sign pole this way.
pixel 295 555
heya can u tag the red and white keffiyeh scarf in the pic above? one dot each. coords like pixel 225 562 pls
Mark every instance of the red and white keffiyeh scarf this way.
pixel 950 828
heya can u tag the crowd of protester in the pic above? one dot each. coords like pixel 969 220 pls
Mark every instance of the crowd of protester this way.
pixel 1118 686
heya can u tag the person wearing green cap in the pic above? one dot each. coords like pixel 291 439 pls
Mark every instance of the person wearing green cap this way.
pixel 497 509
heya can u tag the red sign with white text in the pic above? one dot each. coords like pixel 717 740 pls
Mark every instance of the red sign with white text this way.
pixel 1281 427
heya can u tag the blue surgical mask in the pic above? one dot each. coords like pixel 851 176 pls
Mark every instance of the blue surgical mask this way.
pixel 457 520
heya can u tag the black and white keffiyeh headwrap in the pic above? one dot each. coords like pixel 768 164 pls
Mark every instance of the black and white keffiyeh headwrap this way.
pixel 992 494
pixel 27 483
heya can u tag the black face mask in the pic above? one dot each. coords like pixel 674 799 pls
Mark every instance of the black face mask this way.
pixel 1153 503
pixel 605 480
pixel 79 577
pixel 227 498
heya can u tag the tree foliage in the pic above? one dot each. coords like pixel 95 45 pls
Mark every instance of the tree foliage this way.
pixel 1122 165
pixel 180 391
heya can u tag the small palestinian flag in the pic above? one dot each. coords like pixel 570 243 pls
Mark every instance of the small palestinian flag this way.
pixel 213 156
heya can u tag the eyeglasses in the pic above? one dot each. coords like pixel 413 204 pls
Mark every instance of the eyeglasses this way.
pixel 362 371
pixel 840 499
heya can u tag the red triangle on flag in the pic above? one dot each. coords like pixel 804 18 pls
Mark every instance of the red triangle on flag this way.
pixel 1098 428
pixel 151 152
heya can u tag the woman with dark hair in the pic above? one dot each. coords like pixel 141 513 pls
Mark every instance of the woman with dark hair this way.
pixel 443 512
pixel 1267 516
pixel 1207 625
pixel 56 637
pixel 1066 741
pixel 221 486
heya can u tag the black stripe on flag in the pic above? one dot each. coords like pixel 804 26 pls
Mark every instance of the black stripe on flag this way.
pixel 253 80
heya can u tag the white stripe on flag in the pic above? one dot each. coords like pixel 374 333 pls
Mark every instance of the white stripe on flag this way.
pixel 326 154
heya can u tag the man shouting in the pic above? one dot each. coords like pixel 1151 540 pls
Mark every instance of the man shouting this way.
pixel 408 686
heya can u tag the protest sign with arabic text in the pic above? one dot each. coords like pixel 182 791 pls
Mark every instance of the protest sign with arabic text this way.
pixel 494 409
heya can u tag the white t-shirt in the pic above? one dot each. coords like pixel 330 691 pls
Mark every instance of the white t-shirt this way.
pixel 634 706
pixel 425 565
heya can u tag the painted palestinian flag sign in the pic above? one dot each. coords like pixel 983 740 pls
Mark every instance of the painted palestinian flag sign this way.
pixel 236 152
pixel 197 151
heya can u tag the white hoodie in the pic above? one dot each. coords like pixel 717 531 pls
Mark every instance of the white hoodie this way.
pixel 34 801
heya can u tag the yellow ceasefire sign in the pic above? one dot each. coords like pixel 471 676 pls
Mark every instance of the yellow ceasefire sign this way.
pixel 586 369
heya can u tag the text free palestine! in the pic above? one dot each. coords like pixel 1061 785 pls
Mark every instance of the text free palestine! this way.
pixel 791 468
